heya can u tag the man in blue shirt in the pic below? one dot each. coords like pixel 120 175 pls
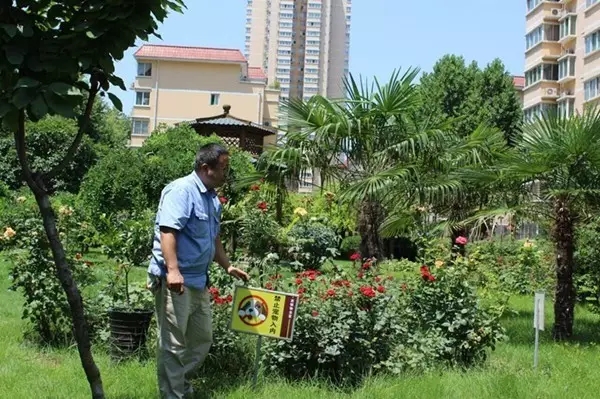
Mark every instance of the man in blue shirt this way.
pixel 186 241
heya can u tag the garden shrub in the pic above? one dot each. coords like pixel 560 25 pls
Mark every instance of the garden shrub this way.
pixel 350 245
pixel 349 327
pixel 113 185
pixel 310 242
pixel 34 274
pixel 587 258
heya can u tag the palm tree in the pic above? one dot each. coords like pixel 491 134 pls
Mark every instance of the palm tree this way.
pixel 384 157
pixel 561 157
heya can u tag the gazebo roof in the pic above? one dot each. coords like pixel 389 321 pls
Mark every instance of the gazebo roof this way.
pixel 228 121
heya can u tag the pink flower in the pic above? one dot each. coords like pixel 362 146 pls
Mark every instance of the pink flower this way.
pixel 355 256
pixel 460 240
pixel 223 200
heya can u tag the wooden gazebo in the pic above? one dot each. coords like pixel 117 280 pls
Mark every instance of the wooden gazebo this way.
pixel 236 132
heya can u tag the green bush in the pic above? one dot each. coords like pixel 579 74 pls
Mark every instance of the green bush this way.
pixel 350 245
pixel 114 184
pixel 310 242
pixel 350 327
pixel 587 258
pixel 34 274
pixel 47 142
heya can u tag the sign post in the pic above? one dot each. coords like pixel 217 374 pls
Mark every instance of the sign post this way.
pixel 538 323
pixel 264 313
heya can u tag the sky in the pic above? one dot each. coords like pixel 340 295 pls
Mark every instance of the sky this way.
pixel 385 34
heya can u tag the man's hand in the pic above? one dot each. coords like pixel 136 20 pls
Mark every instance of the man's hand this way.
pixel 238 273
pixel 175 281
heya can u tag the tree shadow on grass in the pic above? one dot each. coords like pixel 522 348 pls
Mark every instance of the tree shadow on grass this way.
pixel 519 327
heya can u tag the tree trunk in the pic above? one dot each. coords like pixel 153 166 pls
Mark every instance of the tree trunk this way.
pixel 65 277
pixel 564 301
pixel 370 217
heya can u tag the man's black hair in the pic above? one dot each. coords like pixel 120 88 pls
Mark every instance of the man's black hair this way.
pixel 209 154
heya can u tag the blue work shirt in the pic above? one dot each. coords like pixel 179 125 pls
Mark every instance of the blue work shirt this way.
pixel 195 212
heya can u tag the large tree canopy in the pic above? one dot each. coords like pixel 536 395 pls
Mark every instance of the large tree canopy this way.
pixel 472 96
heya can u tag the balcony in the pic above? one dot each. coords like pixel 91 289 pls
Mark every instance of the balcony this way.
pixel 566 94
pixel 543 51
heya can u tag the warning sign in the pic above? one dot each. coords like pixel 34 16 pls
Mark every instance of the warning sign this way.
pixel 263 312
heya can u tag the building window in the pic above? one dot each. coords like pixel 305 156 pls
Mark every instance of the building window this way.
pixel 566 108
pixel 589 3
pixel 142 98
pixel 214 99
pixel 314 5
pixel 144 69
pixel 590 88
pixel 544 32
pixel 316 15
pixel 541 72
pixel 568 26
pixel 566 67
pixel 285 25
pixel 532 113
pixel 140 127
pixel 286 15
pixel 592 42
pixel 531 4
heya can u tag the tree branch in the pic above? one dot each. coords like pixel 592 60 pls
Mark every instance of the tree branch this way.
pixel 19 135
pixel 95 87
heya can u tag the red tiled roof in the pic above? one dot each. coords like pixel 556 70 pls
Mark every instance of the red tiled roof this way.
pixel 190 53
pixel 519 81
pixel 256 73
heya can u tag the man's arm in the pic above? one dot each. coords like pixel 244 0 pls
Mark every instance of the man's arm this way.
pixel 168 246
pixel 173 215
pixel 223 260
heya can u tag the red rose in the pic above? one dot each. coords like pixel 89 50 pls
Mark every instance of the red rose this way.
pixel 461 240
pixel 426 274
pixel 355 256
pixel 366 265
pixel 377 279
pixel 229 298
pixel 254 187
pixel 360 275
pixel 381 288
pixel 269 286
pixel 367 291
pixel 314 313
pixel 330 292
pixel 298 281
pixel 262 205
pixel 223 200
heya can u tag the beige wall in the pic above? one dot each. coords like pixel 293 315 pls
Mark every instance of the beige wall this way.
pixel 180 91
pixel 587 66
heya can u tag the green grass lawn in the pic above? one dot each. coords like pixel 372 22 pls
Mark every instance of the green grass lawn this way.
pixel 565 371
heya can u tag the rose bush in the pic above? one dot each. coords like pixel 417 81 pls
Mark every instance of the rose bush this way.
pixel 349 326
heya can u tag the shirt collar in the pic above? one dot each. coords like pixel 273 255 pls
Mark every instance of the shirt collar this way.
pixel 201 185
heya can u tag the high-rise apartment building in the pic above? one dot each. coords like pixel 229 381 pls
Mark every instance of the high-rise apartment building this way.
pixel 562 56
pixel 303 45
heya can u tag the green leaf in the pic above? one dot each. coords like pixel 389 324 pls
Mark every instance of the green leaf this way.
pixel 27 82
pixel 38 108
pixel 5 108
pixel 59 105
pixel 63 89
pixel 15 55
pixel 10 29
pixel 117 81
pixel 23 97
pixel 116 101
pixel 11 120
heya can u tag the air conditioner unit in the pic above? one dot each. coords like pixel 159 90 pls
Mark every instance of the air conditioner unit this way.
pixel 551 92
pixel 556 12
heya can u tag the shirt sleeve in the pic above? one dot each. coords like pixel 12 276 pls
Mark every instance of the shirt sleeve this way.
pixel 175 208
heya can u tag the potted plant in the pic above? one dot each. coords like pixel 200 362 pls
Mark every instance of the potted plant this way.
pixel 131 310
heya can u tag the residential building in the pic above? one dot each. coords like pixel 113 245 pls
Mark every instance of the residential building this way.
pixel 519 83
pixel 562 56
pixel 182 83
pixel 303 45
